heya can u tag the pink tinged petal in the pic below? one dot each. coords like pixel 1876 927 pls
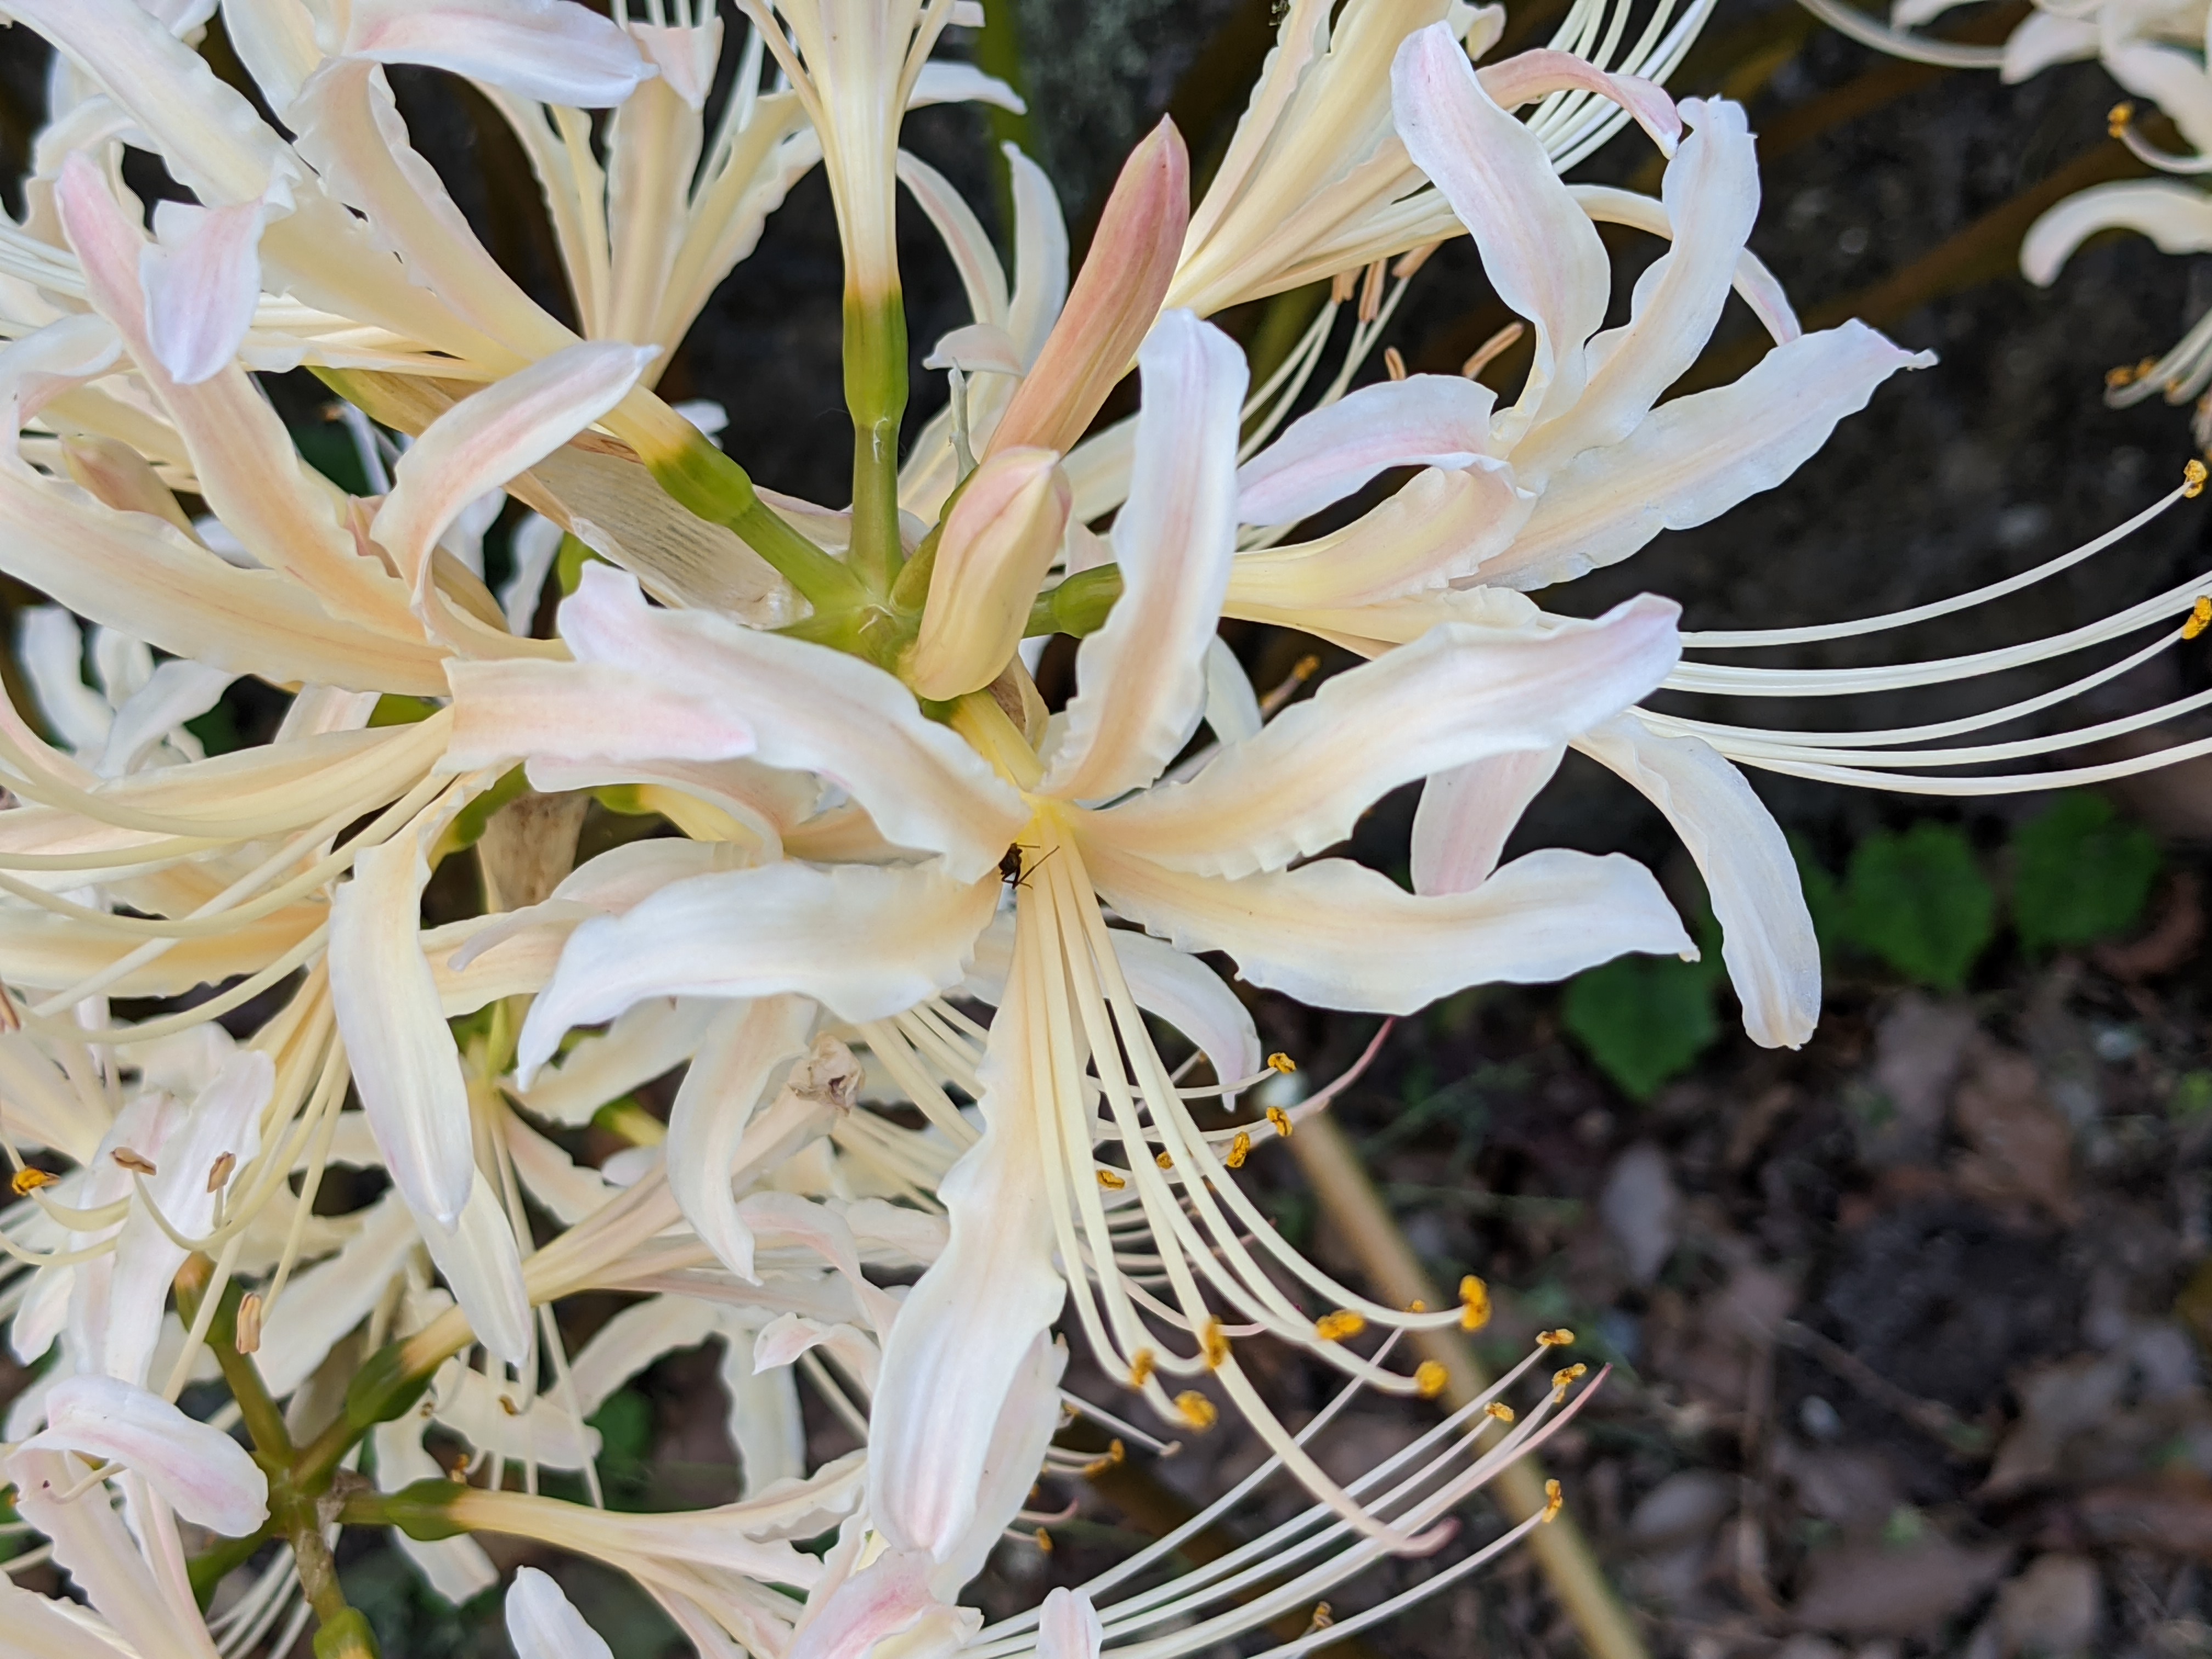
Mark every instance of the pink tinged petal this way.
pixel 202 278
pixel 224 1122
pixel 1426 420
pixel 206 131
pixel 580 711
pixel 1338 935
pixel 978 348
pixel 479 1261
pixel 1458 694
pixel 197 1470
pixel 2176 216
pixel 787 1221
pixel 812 710
pixel 551 51
pixel 866 942
pixel 1711 197
pixel 91 1543
pixel 542 1624
pixel 2172 79
pixel 484 441
pixel 1026 1425
pixel 404 1064
pixel 1440 526
pixel 1538 249
pixel 1467 812
pixel 886 1598
pixel 179 690
pixel 783 1339
pixel 967 1334
pixel 1068 1626
pixel 1773 958
pixel 749 1046
pixel 1754 283
pixel 53 1627
pixel 1529 76
pixel 1695 458
pixel 322 1303
pixel 1141 677
pixel 996 545
pixel 1114 303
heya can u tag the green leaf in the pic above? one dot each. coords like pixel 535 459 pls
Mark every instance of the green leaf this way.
pixel 2081 873
pixel 1644 1019
pixel 1918 901
pixel 625 1426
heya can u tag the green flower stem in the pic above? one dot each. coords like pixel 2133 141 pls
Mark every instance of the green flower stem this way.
pixel 424 1511
pixel 264 1418
pixel 875 393
pixel 710 485
pixel 1078 605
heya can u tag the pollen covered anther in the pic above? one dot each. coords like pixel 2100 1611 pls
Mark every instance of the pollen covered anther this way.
pixel 1279 1061
pixel 1281 1119
pixel 1201 1413
pixel 1322 1620
pixel 1214 1342
pixel 1239 1149
pixel 1164 1160
pixel 1044 1541
pixel 1474 1303
pixel 1559 1338
pixel 1111 1180
pixel 1429 1378
pixel 1500 1410
pixel 1568 1374
pixel 1141 1368
pixel 27 1181
pixel 1114 1454
pixel 2192 479
pixel 1335 1326
pixel 1554 1501
pixel 2200 617
pixel 2117 119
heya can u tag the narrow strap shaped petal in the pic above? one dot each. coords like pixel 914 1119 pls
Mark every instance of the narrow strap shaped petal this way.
pixel 542 1624
pixel 1425 420
pixel 197 1470
pixel 1467 812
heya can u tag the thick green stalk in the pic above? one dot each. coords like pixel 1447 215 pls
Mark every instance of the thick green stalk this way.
pixel 710 485
pixel 875 393
pixel 1078 605
pixel 263 1417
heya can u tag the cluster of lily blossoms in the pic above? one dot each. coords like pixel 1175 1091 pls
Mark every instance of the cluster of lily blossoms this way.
pixel 916 939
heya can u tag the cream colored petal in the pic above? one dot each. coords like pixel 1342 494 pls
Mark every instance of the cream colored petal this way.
pixel 749 1047
pixel 1068 1626
pixel 866 942
pixel 322 1303
pixel 1466 814
pixel 2175 215
pixel 1695 458
pixel 2044 38
pixel 992 552
pixel 1772 955
pixel 812 710
pixel 404 1064
pixel 1538 248
pixel 1457 695
pixel 479 1260
pixel 1425 420
pixel 542 1624
pixel 203 280
pixel 1142 678
pixel 554 52
pixel 1337 935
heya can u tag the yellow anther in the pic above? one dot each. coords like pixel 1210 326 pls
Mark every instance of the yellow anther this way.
pixel 1141 1368
pixel 1417 1306
pixel 28 1181
pixel 1474 1303
pixel 1116 1452
pixel 249 1323
pixel 509 1407
pixel 1111 1180
pixel 1428 1376
pixel 1281 1119
pixel 219 1171
pixel 1559 1338
pixel 2124 375
pixel 1043 1541
pixel 1393 362
pixel 1335 1326
pixel 2192 479
pixel 1197 1410
pixel 1164 1160
pixel 1214 1342
pixel 2200 618
pixel 2116 121
pixel 1239 1149
pixel 1500 1410
pixel 133 1162
pixel 1568 1374
pixel 1279 1061
pixel 1554 1501
pixel 1322 1620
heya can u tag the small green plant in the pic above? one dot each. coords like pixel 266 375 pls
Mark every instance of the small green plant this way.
pixel 1644 1019
pixel 2081 873
pixel 1919 903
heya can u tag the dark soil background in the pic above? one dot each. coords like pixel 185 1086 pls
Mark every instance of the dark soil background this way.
pixel 1908 1326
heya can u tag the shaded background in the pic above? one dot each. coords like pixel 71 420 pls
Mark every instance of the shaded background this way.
pixel 1908 1325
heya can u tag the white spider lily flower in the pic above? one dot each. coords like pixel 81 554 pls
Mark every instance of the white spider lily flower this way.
pixel 200 1472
